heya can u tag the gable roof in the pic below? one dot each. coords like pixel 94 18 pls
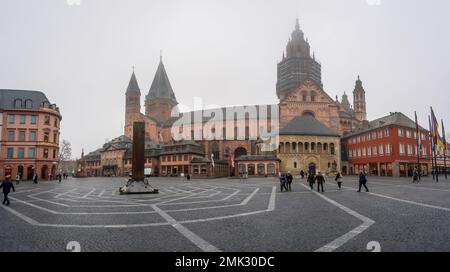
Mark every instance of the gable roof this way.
pixel 309 81
pixel 307 125
pixel 394 118
pixel 161 87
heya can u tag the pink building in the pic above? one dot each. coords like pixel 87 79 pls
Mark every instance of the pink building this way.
pixel 29 138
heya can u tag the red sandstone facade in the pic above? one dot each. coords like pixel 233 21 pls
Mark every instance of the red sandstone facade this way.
pixel 30 129
pixel 387 150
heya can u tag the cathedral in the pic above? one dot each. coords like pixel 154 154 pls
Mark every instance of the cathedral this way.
pixel 310 122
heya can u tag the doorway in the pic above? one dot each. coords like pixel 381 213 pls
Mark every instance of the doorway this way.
pixel 312 168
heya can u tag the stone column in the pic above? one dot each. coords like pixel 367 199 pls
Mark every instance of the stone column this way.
pixel 138 156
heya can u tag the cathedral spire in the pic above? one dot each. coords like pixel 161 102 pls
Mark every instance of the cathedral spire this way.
pixel 133 85
pixel 161 87
pixel 297 24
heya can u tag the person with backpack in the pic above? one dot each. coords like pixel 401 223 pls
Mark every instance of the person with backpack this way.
pixel 311 180
pixel 338 179
pixel 362 181
pixel 320 181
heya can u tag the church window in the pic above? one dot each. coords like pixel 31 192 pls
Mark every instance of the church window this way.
pixel 308 113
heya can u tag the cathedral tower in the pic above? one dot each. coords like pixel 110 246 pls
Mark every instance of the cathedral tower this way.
pixel 345 103
pixel 132 105
pixel 297 65
pixel 359 101
pixel 160 99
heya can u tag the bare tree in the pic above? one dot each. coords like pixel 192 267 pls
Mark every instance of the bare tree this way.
pixel 65 154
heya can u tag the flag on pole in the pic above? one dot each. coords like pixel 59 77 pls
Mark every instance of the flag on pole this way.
pixel 419 138
pixel 443 135
pixel 437 138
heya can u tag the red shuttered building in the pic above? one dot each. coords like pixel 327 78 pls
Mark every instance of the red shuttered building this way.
pixel 387 147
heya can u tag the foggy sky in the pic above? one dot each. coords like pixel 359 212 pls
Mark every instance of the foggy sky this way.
pixel 222 51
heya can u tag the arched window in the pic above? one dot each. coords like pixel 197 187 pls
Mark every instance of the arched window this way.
pixel 240 151
pixel 294 147
pixel 28 104
pixel 281 148
pixel 295 164
pixel 18 103
pixel 309 113
pixel 300 147
pixel 319 147
pixel 332 149
pixel 288 147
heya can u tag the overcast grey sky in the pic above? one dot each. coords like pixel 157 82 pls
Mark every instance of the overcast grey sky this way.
pixel 223 51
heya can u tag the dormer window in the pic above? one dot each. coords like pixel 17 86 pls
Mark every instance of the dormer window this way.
pixel 18 103
pixel 28 104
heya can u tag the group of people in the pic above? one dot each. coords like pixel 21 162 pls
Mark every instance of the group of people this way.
pixel 7 185
pixel 416 175
pixel 286 180
pixel 59 177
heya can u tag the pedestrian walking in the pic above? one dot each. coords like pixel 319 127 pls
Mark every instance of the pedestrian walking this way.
pixel 311 180
pixel 302 174
pixel 362 181
pixel 7 185
pixel 415 175
pixel 320 181
pixel 338 179
pixel 17 179
pixel 283 182
pixel 35 179
pixel 59 178
pixel 289 179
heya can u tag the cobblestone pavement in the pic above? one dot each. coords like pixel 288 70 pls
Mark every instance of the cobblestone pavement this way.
pixel 228 215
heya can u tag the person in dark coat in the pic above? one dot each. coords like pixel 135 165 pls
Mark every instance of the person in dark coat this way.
pixel 415 175
pixel 7 185
pixel 289 179
pixel 302 174
pixel 362 181
pixel 59 178
pixel 311 180
pixel 283 181
pixel 338 179
pixel 320 181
